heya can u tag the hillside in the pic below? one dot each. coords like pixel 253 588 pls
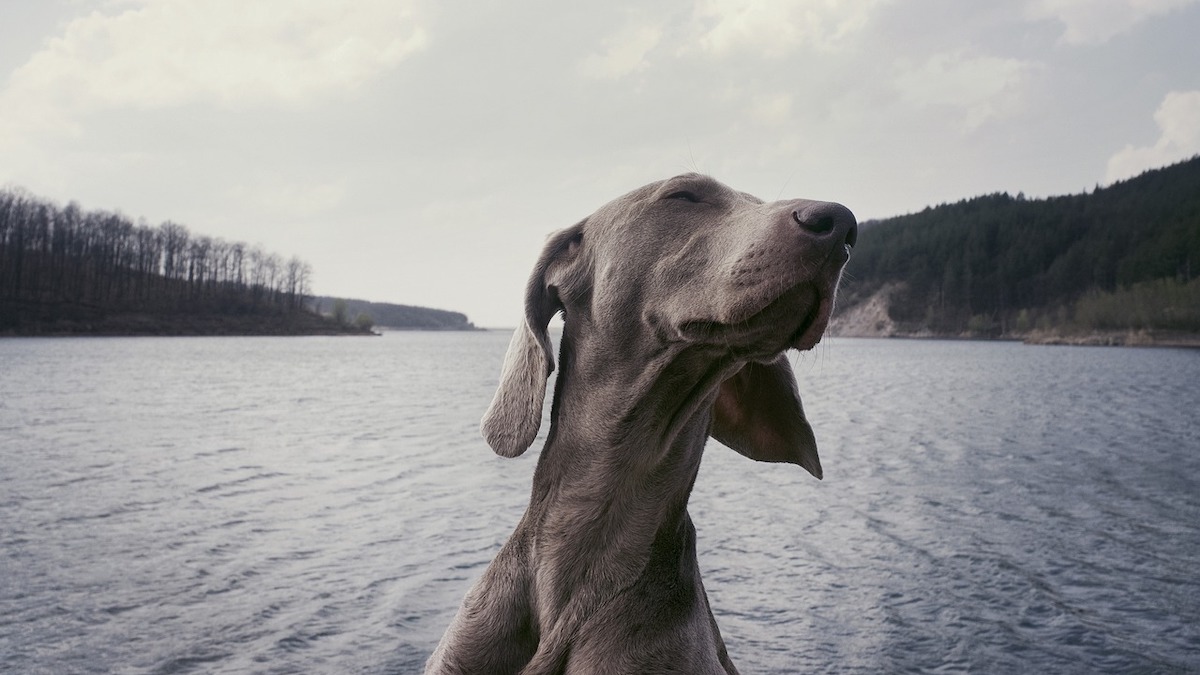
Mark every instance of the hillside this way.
pixel 387 315
pixel 1119 264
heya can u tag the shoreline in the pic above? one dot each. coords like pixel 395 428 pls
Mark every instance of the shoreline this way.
pixel 183 325
pixel 1175 340
pixel 1159 339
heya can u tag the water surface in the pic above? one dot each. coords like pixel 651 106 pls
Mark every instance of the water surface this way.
pixel 320 505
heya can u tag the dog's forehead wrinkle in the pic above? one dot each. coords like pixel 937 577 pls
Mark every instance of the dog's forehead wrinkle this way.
pixel 752 198
pixel 694 182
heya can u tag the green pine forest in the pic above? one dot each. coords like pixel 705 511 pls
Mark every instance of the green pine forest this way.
pixel 1124 258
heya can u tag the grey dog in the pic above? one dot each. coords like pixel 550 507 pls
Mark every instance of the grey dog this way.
pixel 679 301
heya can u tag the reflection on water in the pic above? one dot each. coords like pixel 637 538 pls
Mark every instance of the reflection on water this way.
pixel 321 505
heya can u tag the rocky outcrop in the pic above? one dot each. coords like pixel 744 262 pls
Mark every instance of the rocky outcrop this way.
pixel 865 319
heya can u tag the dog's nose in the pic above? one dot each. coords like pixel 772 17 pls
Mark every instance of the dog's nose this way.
pixel 823 219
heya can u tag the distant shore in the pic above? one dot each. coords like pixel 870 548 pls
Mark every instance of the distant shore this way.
pixel 181 325
pixel 1090 339
pixel 1117 339
pixel 872 319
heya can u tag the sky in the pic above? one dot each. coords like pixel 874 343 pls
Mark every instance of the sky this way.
pixel 420 152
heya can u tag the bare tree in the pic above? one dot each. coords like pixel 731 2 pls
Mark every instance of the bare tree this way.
pixel 103 261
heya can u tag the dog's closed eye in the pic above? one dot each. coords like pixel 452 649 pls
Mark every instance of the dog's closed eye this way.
pixel 684 195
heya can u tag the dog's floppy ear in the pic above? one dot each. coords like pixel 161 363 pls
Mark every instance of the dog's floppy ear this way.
pixel 758 413
pixel 512 420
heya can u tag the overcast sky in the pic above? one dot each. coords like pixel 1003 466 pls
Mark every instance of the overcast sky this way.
pixel 419 152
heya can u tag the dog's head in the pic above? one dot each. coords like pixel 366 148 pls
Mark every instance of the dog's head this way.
pixel 689 263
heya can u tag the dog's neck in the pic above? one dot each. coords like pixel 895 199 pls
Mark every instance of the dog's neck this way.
pixel 612 483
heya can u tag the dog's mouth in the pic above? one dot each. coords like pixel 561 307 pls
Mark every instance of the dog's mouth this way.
pixel 810 304
pixel 796 319
pixel 813 325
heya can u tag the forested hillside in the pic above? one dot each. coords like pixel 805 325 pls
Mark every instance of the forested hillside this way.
pixel 388 315
pixel 66 270
pixel 1121 258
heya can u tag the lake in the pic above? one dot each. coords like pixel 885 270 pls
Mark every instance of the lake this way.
pixel 321 505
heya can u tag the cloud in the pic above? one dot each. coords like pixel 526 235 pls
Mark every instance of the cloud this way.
pixel 1090 22
pixel 156 54
pixel 725 30
pixel 1178 119
pixel 982 87
pixel 772 109
pixel 624 53
pixel 292 200
pixel 774 28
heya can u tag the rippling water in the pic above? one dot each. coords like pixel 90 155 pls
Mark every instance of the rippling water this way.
pixel 320 505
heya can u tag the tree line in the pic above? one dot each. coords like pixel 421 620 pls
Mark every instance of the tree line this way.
pixel 67 262
pixel 999 264
pixel 389 315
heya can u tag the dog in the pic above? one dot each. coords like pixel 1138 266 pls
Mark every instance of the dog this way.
pixel 679 300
